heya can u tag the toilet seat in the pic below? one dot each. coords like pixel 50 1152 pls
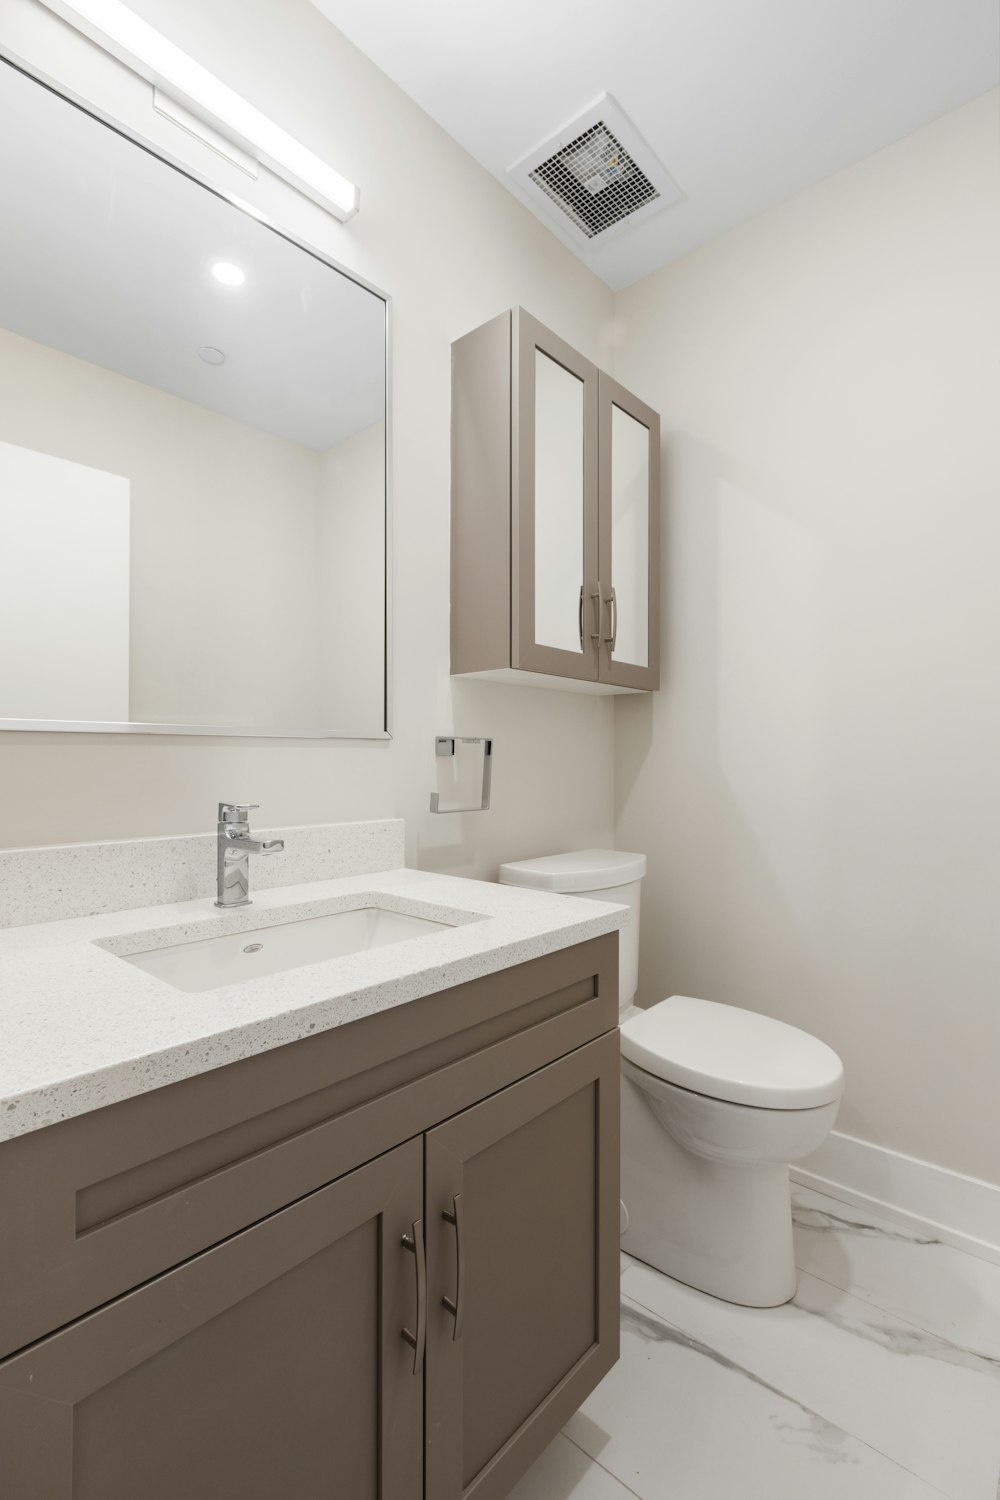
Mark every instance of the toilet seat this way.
pixel 733 1055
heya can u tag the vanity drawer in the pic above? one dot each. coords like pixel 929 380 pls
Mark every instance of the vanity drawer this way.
pixel 98 1204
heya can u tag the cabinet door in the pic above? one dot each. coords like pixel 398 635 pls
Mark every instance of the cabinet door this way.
pixel 629 539
pixel 522 1248
pixel 555 616
pixel 272 1365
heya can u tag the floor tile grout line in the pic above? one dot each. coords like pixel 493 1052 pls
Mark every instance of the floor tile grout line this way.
pixel 989 1360
pixel 785 1396
pixel 604 1470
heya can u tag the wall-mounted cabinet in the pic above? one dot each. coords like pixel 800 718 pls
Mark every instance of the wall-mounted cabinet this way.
pixel 555 515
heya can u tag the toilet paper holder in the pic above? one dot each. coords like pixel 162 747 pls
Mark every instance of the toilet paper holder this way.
pixel 444 745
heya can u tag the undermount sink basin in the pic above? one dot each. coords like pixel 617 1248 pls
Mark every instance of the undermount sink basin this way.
pixel 210 963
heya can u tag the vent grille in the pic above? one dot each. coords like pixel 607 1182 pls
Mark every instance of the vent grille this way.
pixel 595 181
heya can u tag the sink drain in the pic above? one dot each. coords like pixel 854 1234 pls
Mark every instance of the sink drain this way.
pixel 253 947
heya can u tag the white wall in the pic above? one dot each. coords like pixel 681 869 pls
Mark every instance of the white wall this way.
pixel 452 248
pixel 817 783
pixel 350 557
pixel 64 587
pixel 208 494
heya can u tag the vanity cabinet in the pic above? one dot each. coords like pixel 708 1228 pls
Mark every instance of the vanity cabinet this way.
pixel 269 1365
pixel 555 515
pixel 380 1262
pixel 522 1235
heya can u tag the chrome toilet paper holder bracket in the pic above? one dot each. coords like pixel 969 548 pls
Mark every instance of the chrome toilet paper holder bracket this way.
pixel 444 745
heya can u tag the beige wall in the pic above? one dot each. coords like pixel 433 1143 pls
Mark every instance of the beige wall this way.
pixel 818 783
pixel 452 248
pixel 201 488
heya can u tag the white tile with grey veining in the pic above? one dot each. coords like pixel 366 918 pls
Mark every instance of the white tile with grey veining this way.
pixel 927 1405
pixel 564 1472
pixel 943 1290
pixel 678 1420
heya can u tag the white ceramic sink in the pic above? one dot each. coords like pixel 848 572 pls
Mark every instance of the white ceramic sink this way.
pixel 210 963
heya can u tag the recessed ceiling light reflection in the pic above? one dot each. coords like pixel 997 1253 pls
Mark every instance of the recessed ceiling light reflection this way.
pixel 211 355
pixel 228 273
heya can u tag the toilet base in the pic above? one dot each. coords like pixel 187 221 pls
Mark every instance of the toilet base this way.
pixel 723 1228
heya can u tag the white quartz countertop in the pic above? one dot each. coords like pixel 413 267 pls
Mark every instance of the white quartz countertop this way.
pixel 81 1028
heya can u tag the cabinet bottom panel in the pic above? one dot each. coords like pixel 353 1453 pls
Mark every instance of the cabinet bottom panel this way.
pixel 520 677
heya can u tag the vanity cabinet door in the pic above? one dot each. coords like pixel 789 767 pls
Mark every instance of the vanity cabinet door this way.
pixel 272 1365
pixel 522 1248
pixel 629 538
pixel 555 616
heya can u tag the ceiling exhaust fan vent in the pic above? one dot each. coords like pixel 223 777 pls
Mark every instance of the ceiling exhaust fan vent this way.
pixel 595 181
pixel 597 172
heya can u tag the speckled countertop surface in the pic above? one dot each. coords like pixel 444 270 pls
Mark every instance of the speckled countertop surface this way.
pixel 81 1028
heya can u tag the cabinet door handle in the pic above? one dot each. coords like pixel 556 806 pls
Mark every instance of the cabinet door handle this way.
pixel 414 1242
pixel 454 1216
pixel 595 635
pixel 612 603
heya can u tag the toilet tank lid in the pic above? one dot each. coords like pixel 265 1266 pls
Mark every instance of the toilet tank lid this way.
pixel 583 870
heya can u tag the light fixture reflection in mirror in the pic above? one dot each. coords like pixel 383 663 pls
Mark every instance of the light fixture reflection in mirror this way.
pixel 193 517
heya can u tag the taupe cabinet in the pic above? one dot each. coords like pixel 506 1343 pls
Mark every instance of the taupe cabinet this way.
pixel 378 1264
pixel 555 514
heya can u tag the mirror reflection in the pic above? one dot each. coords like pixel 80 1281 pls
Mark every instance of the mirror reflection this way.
pixel 192 450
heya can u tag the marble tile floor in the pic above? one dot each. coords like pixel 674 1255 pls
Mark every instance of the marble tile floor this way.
pixel 879 1381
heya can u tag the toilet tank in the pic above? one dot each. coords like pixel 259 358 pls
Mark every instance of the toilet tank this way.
pixel 599 875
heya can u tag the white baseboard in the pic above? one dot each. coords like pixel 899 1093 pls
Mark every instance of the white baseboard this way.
pixel 946 1206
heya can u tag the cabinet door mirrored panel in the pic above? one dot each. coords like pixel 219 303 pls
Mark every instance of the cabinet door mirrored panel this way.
pixel 192 451
pixel 629 537
pixel 559 498
pixel 555 524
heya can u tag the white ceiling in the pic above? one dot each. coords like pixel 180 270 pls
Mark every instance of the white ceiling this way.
pixel 106 253
pixel 744 101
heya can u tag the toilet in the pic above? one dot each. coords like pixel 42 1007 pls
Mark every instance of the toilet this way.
pixel 716 1101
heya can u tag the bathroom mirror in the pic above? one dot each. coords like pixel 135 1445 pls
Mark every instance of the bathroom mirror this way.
pixel 193 438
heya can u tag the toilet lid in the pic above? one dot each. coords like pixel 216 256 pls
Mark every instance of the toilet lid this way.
pixel 732 1054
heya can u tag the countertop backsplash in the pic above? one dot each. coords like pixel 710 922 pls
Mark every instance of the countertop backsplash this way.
pixel 59 881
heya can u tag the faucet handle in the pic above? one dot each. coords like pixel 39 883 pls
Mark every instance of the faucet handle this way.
pixel 236 812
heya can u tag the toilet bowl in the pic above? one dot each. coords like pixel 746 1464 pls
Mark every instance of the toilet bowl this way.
pixel 716 1101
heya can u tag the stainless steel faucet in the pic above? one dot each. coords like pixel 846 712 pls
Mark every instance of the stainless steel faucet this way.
pixel 235 847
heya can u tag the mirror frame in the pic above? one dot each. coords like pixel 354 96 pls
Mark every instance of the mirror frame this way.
pixel 82 726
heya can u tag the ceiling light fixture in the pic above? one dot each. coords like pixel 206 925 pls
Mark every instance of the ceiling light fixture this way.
pixel 228 273
pixel 150 54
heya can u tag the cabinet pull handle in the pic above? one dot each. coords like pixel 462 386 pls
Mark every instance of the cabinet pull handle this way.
pixel 595 635
pixel 612 603
pixel 580 617
pixel 414 1242
pixel 454 1216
